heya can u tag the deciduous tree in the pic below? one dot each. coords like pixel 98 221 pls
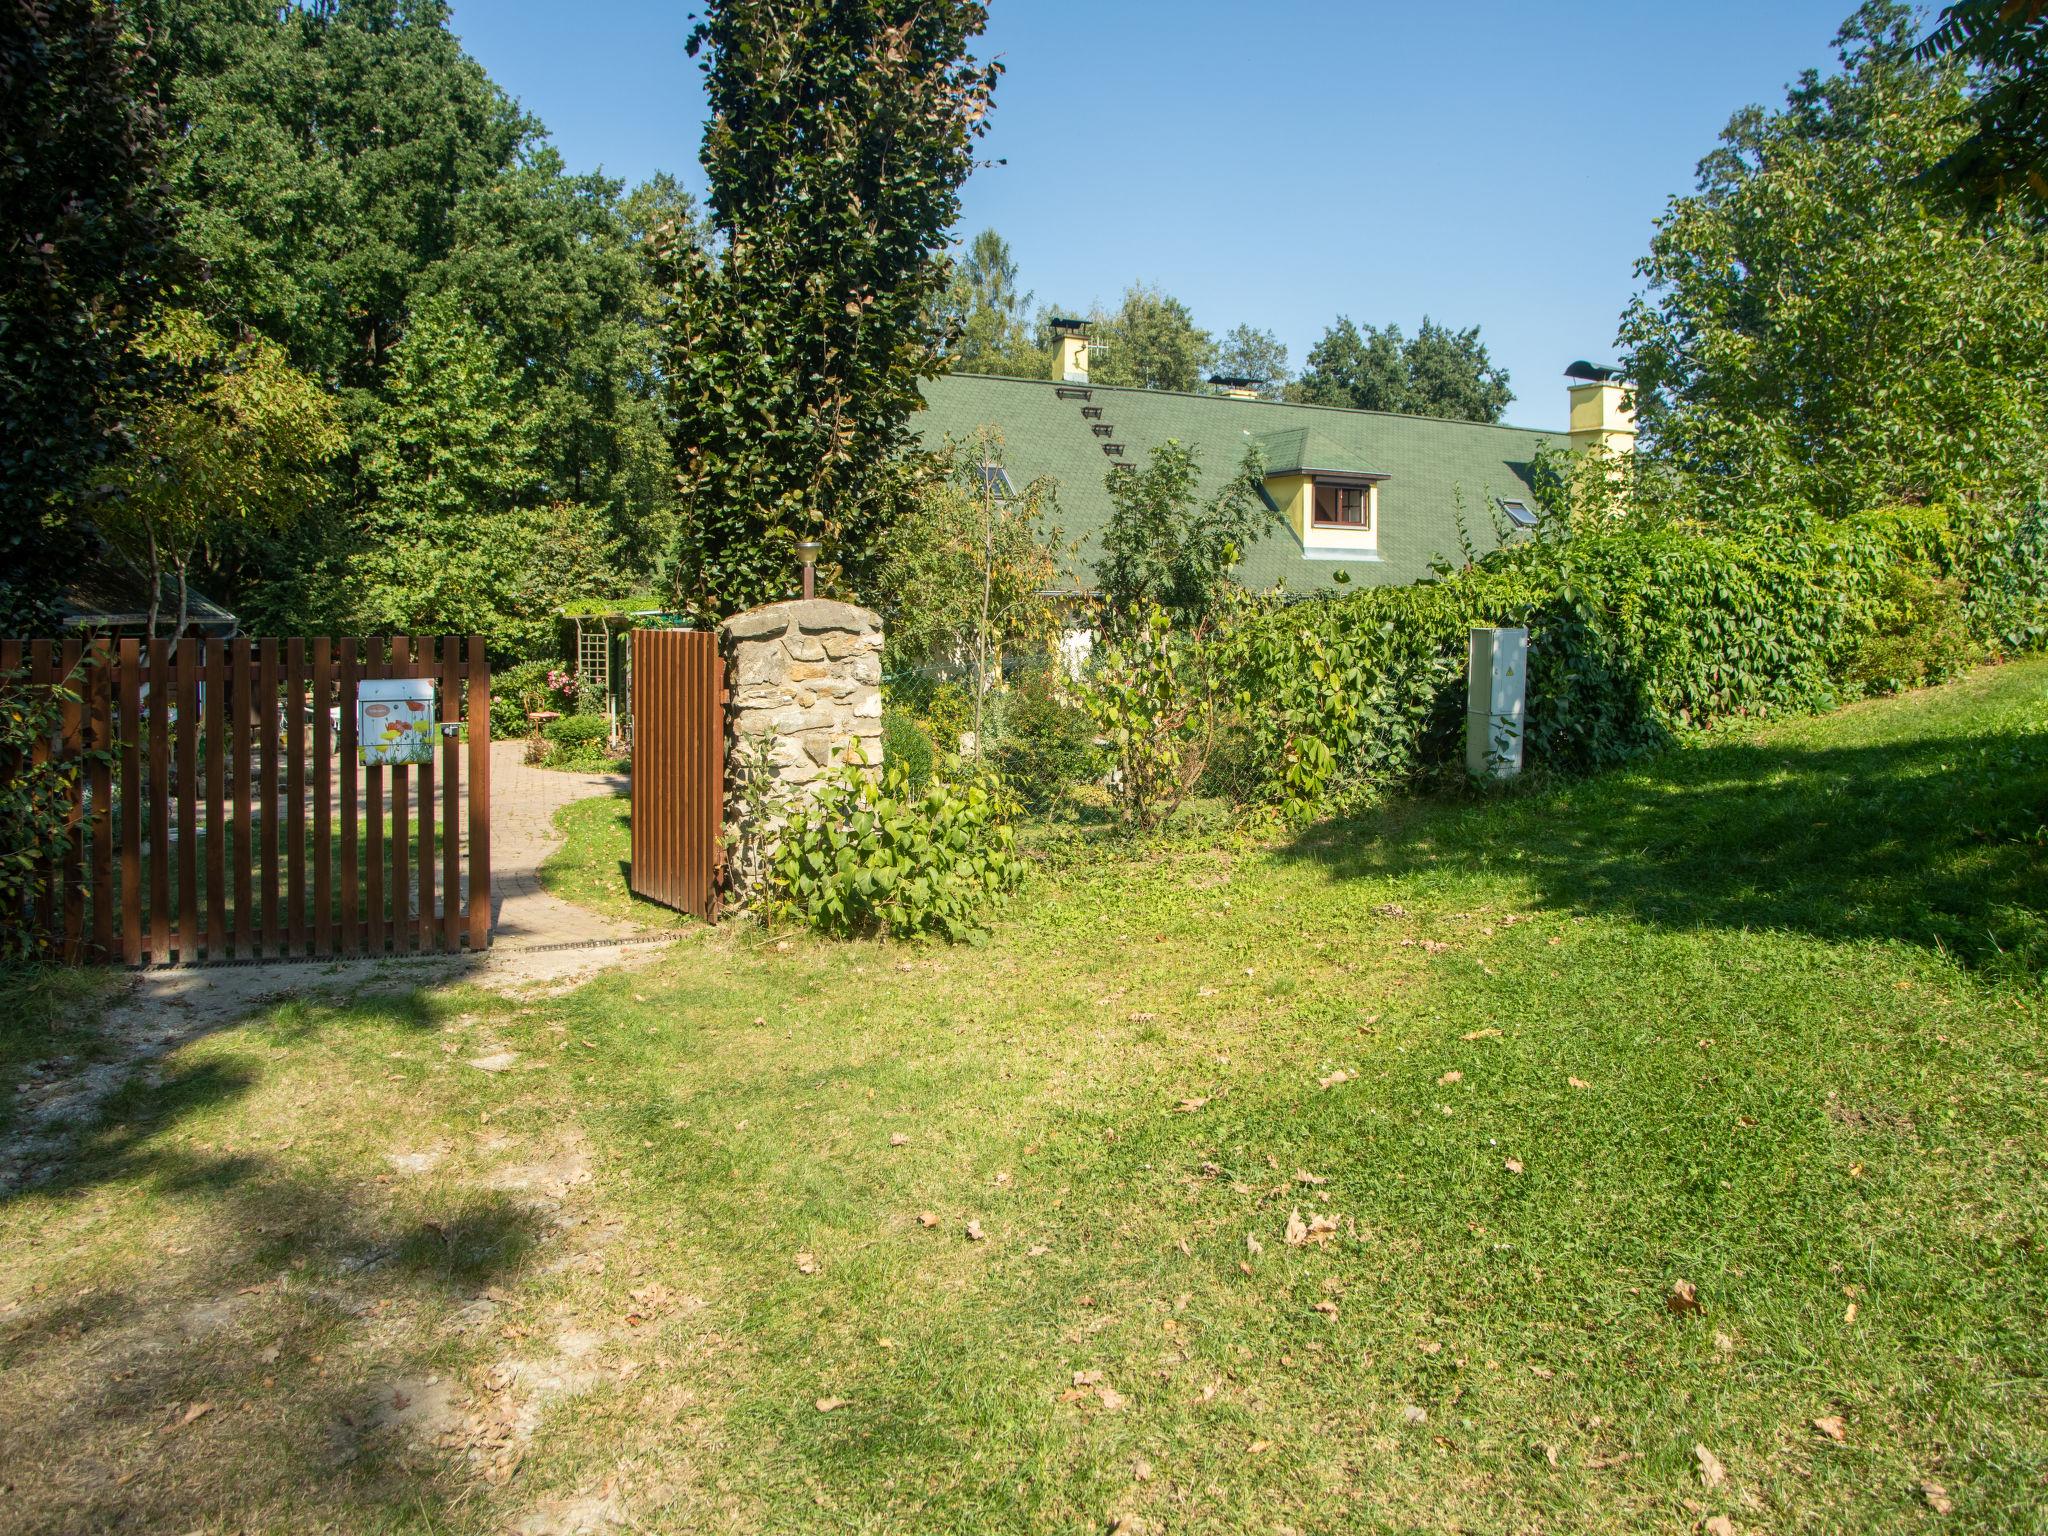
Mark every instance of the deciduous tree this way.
pixel 1167 548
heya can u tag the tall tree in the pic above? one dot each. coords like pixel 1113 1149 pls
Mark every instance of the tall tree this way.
pixel 2004 160
pixel 83 244
pixel 1437 372
pixel 1816 330
pixel 1151 341
pixel 1166 548
pixel 1248 353
pixel 984 314
pixel 840 134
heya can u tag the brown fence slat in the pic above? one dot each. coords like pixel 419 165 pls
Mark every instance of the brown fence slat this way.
pixel 266 788
pixel 71 905
pixel 161 698
pixel 130 728
pixel 401 821
pixel 295 795
pixel 451 796
pixel 423 661
pixel 350 938
pixel 373 817
pixel 100 780
pixel 213 678
pixel 243 719
pixel 321 781
pixel 678 768
pixel 186 739
pixel 479 794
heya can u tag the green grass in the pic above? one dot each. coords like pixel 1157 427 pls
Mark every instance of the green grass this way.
pixel 592 865
pixel 1797 971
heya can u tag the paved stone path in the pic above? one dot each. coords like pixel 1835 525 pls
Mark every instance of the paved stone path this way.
pixel 524 800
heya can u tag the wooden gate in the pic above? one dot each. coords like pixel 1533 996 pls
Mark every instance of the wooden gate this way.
pixel 678 769
pixel 224 812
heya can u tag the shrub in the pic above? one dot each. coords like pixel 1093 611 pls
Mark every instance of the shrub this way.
pixel 1918 634
pixel 578 731
pixel 905 746
pixel 518 691
pixel 35 808
pixel 867 857
pixel 946 717
pixel 1047 745
pixel 1153 695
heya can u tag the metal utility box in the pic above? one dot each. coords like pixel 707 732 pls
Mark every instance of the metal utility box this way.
pixel 1495 693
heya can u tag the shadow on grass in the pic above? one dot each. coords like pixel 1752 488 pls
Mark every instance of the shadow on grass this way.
pixel 1936 840
pixel 306 1311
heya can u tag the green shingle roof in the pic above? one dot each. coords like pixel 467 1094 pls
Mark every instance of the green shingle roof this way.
pixel 1430 464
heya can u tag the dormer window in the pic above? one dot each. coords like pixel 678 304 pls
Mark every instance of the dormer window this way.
pixel 1343 506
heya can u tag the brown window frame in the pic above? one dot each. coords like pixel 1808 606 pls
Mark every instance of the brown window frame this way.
pixel 1368 512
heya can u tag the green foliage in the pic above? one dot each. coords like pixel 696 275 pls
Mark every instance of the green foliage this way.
pixel 1635 635
pixel 1437 372
pixel 840 133
pixel 968 574
pixel 1151 342
pixel 2003 564
pixel 1917 633
pixel 84 231
pixel 948 713
pixel 1153 694
pixel 518 691
pixel 982 312
pixel 231 441
pixel 35 807
pixel 1046 744
pixel 2004 160
pixel 578 730
pixel 1162 548
pixel 905 745
pixel 1248 353
pixel 1818 331
pixel 869 858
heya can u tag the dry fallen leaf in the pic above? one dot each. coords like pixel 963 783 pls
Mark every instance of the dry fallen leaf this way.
pixel 1832 1426
pixel 1724 1343
pixel 806 1264
pixel 1112 1400
pixel 1327 1308
pixel 1141 1469
pixel 1480 1034
pixel 1513 1165
pixel 196 1410
pixel 1415 1415
pixel 1542 1372
pixel 1684 1297
pixel 1452 1076
pixel 1336 1077
pixel 898 1139
pixel 1717 1525
pixel 1712 1473
pixel 974 1232
pixel 1126 1525
pixel 927 1219
pixel 1259 1447
pixel 830 1404
pixel 1578 1082
pixel 1937 1498
pixel 1303 1176
pixel 1189 1106
pixel 1036 1251
pixel 1849 1313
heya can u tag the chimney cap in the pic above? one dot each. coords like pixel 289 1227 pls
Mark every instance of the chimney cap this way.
pixel 1065 325
pixel 1593 373
pixel 1227 381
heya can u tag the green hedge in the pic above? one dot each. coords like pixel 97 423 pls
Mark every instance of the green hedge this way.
pixel 1633 636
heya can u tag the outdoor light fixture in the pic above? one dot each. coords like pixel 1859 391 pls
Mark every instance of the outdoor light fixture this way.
pixel 807 552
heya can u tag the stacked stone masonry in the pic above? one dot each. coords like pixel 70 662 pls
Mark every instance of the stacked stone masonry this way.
pixel 806 677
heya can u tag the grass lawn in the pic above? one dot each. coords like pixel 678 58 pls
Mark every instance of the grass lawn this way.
pixel 781 1236
pixel 590 867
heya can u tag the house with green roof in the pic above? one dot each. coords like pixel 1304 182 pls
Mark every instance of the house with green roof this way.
pixel 1372 495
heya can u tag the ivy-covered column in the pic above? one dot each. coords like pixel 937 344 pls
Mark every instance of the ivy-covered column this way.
pixel 804 685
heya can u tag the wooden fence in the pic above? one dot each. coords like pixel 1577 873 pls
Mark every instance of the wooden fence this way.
pixel 678 769
pixel 224 812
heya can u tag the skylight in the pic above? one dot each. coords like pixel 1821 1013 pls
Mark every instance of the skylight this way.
pixel 996 479
pixel 1519 513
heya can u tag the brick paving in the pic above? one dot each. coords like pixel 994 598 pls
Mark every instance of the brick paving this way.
pixel 524 800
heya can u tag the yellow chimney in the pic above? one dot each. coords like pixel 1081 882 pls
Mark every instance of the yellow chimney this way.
pixel 1601 418
pixel 1073 339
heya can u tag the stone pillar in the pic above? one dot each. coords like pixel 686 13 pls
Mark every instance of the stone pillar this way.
pixel 804 681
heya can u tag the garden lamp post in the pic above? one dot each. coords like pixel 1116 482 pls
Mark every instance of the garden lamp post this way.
pixel 807 552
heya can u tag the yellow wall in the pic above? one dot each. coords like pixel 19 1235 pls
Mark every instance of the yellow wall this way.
pixel 1292 494
pixel 1601 418
pixel 1074 359
pixel 1295 496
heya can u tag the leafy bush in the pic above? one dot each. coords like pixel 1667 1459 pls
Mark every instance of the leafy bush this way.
pixel 521 690
pixel 578 730
pixel 1047 745
pixel 868 857
pixel 1635 635
pixel 905 746
pixel 946 717
pixel 1918 634
pixel 35 808
pixel 1154 694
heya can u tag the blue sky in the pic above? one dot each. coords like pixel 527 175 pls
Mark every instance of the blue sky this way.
pixel 1279 162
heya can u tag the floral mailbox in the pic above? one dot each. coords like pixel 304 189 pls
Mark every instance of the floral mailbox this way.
pixel 395 720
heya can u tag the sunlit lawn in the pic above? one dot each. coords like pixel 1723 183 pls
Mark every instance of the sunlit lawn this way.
pixel 1764 1018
